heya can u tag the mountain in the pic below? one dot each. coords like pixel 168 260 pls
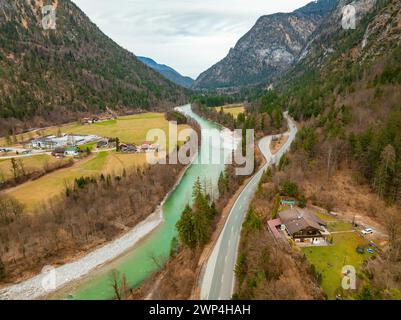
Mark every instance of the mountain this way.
pixel 345 92
pixel 270 47
pixel 356 67
pixel 50 76
pixel 346 89
pixel 168 72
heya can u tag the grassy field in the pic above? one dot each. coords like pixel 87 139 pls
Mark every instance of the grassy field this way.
pixel 130 129
pixel 30 164
pixel 117 162
pixel 329 261
pixel 235 110
pixel 33 193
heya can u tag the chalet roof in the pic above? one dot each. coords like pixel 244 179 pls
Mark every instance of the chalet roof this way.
pixel 297 219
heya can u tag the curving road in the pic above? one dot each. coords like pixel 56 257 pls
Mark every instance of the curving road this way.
pixel 218 280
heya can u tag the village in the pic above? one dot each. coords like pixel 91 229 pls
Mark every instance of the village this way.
pixel 68 145
pixel 62 145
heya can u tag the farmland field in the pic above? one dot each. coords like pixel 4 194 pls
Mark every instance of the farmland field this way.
pixel 34 163
pixel 117 162
pixel 235 110
pixel 129 129
pixel 33 193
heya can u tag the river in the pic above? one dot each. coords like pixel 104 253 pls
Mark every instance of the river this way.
pixel 137 264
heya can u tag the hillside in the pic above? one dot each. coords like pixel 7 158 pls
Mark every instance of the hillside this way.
pixel 48 76
pixel 359 68
pixel 345 91
pixel 168 72
pixel 270 47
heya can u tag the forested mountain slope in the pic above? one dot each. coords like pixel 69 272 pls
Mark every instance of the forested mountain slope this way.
pixel 48 76
pixel 349 83
pixel 345 92
pixel 168 72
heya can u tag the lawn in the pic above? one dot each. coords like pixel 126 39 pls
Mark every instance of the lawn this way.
pixel 329 261
pixel 333 224
pixel 235 110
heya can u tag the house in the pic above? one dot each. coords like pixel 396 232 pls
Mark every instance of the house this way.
pixel 71 152
pixel 86 121
pixel 97 119
pixel 103 144
pixel 154 147
pixel 145 146
pixel 53 142
pixel 303 226
pixel 49 142
pixel 129 148
pixel 58 152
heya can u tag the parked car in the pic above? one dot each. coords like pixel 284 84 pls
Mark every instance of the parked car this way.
pixel 367 231
pixel 360 250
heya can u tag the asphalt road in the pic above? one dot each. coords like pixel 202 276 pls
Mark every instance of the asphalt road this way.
pixel 218 280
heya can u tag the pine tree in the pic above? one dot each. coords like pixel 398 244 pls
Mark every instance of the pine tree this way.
pixel 222 184
pixel 385 170
pixel 197 188
pixel 118 144
pixel 185 227
pixel 201 228
pixel 15 169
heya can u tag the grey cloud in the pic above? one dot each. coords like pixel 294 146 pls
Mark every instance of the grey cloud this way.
pixel 189 35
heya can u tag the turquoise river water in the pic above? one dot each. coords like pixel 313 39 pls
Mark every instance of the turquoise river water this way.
pixel 137 264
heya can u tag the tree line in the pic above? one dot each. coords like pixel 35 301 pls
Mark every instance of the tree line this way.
pixel 91 212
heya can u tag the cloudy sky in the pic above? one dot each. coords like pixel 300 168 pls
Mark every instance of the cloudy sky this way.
pixel 188 35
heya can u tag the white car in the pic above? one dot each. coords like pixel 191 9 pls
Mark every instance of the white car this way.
pixel 367 231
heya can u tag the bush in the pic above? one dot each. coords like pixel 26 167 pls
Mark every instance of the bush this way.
pixel 290 189
pixel 252 221
pixel 176 116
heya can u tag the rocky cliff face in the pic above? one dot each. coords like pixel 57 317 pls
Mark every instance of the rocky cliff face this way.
pixel 355 67
pixel 270 47
pixel 375 35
